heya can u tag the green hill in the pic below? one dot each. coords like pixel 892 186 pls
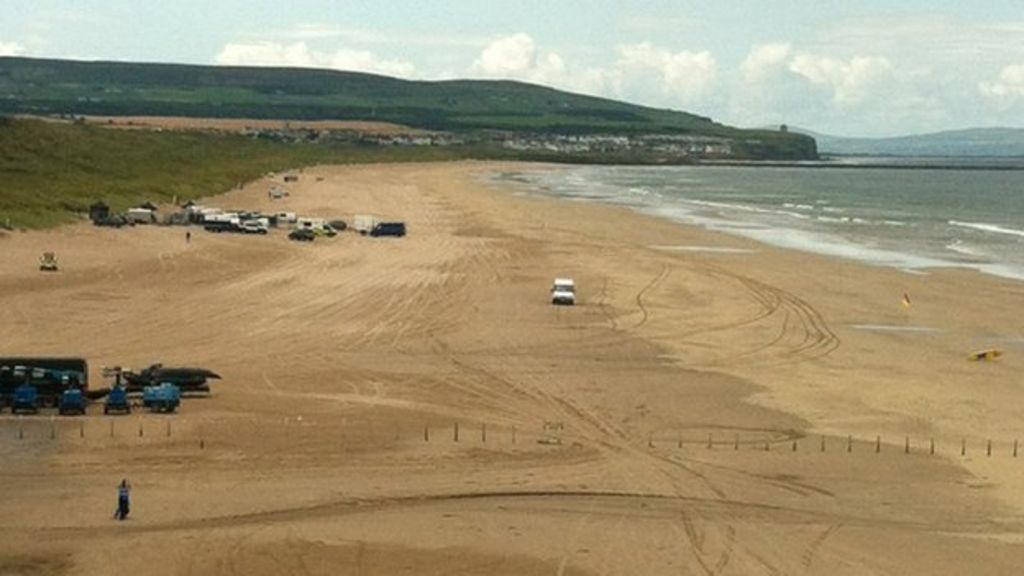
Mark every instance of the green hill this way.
pixel 37 86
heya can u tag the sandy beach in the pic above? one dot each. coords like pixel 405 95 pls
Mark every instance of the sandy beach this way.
pixel 416 405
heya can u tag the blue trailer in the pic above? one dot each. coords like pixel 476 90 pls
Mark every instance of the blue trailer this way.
pixel 72 401
pixel 163 398
pixel 26 399
pixel 117 401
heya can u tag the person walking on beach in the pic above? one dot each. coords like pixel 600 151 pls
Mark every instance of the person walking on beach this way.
pixel 124 490
pixel 188 237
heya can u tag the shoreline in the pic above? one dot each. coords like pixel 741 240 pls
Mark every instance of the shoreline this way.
pixel 824 242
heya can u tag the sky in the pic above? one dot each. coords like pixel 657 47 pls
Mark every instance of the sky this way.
pixel 850 68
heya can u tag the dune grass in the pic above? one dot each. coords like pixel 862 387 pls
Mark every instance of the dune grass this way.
pixel 51 172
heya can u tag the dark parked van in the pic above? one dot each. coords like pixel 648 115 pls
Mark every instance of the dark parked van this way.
pixel 388 229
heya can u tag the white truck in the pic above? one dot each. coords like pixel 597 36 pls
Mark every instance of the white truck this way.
pixel 319 226
pixel 140 216
pixel 364 223
pixel 563 291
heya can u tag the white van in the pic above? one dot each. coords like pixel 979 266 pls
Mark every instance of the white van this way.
pixel 563 291
pixel 364 223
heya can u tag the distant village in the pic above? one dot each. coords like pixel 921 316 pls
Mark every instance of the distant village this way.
pixel 677 147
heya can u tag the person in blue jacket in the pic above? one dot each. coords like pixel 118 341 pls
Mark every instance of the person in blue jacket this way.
pixel 124 490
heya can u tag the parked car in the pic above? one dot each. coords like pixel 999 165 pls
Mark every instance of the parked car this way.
pixel 338 225
pixel 252 227
pixel 388 229
pixel 302 235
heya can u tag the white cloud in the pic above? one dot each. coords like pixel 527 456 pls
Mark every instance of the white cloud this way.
pixel 11 49
pixel 765 60
pixel 1008 88
pixel 516 57
pixel 851 81
pixel 817 88
pixel 642 72
pixel 298 54
pixel 508 56
pixel 681 77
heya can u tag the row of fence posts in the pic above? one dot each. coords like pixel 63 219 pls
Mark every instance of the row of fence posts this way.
pixel 795 444
pixel 650 439
pixel 81 430
pixel 456 437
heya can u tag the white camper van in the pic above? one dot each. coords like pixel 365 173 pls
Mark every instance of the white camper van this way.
pixel 364 223
pixel 563 291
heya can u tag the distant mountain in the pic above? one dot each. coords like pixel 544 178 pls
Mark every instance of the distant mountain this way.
pixel 37 86
pixel 988 142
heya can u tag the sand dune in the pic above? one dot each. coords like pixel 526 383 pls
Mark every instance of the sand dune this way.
pixel 583 433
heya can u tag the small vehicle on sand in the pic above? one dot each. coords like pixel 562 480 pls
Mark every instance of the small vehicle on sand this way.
pixel 48 262
pixel 162 398
pixel 302 235
pixel 563 292
pixel 252 227
pixel 117 401
pixel 388 229
pixel 72 401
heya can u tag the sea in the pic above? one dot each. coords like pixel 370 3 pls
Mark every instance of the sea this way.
pixel 910 214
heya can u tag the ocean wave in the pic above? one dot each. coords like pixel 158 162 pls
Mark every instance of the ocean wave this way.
pixel 986 227
pixel 745 208
pixel 960 247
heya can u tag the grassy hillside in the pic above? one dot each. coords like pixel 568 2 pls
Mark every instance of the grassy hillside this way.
pixel 51 172
pixel 35 86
